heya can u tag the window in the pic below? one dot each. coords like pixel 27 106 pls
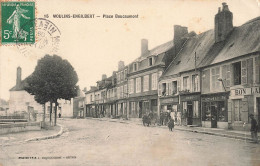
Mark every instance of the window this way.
pixel 125 73
pixel 195 83
pixel 122 76
pixel 237 73
pixel 146 83
pixel 131 86
pixel 91 98
pixel 174 87
pixel 215 74
pixel 195 109
pixel 132 110
pixel 118 92
pixel 150 61
pixel 125 90
pixel 163 89
pixel 135 66
pixel 138 85
pixel 185 83
pixel 184 107
pixel 154 81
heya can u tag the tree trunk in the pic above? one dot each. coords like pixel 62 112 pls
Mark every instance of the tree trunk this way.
pixel 44 114
pixel 50 111
pixel 55 113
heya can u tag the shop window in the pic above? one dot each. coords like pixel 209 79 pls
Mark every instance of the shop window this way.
pixel 184 107
pixel 237 73
pixel 195 109
pixel 206 111
pixel 237 110
pixel 222 113
pixel 163 89
pixel 174 87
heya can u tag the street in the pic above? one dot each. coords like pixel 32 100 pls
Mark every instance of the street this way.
pixel 94 142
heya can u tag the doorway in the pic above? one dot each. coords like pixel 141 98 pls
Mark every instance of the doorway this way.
pixel 189 113
pixel 140 109
pixel 213 116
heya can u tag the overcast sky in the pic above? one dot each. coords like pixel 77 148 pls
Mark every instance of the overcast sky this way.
pixel 94 46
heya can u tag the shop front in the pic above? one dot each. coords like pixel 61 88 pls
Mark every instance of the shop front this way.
pixel 242 103
pixel 214 110
pixel 140 106
pixel 171 105
pixel 190 109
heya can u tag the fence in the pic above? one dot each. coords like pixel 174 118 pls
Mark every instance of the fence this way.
pixel 18 127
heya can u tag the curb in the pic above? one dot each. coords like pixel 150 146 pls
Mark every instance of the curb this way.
pixel 47 137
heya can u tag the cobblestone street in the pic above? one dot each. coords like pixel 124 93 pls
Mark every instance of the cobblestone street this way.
pixel 93 142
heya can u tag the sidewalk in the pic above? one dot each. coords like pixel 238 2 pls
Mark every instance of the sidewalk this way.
pixel 242 135
pixel 21 137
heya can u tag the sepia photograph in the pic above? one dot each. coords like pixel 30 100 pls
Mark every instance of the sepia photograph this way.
pixel 129 83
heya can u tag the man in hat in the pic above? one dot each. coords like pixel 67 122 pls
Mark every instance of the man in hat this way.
pixel 254 128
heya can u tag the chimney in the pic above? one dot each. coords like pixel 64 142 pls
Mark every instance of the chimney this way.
pixel 104 76
pixel 18 77
pixel 121 65
pixel 144 46
pixel 179 33
pixel 223 23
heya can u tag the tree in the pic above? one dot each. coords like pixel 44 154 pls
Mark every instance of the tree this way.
pixel 53 78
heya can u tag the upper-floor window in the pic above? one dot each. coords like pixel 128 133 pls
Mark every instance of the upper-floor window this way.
pixel 146 83
pixel 237 73
pixel 186 83
pixel 154 81
pixel 125 90
pixel 135 66
pixel 163 89
pixel 131 86
pixel 138 85
pixel 125 73
pixel 174 87
pixel 195 83
pixel 91 98
pixel 150 61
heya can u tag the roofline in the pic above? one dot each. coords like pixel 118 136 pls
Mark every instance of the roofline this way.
pixel 210 65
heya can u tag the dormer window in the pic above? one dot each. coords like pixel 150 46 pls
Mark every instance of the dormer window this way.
pixel 150 61
pixel 135 66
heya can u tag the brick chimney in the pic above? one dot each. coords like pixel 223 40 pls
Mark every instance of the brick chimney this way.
pixel 121 65
pixel 144 47
pixel 18 77
pixel 223 23
pixel 104 76
pixel 179 33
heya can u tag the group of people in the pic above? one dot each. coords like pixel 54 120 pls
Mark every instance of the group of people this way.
pixel 165 117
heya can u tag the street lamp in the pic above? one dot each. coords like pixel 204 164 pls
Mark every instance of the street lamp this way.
pixel 220 79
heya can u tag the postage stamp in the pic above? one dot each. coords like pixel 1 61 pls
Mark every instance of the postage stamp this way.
pixel 16 25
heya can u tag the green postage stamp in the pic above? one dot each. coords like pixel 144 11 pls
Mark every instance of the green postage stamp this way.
pixel 18 22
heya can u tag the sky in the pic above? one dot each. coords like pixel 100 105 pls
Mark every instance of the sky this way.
pixel 95 46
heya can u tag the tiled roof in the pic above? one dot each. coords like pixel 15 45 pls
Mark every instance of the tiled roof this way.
pixel 242 40
pixel 21 87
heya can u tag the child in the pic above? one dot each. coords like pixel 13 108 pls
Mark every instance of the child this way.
pixel 171 124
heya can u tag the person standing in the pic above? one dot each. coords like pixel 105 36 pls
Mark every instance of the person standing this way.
pixel 254 128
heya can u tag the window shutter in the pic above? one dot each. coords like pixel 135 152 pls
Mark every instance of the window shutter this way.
pixel 170 88
pixel 167 89
pixel 250 74
pixel 243 72
pixel 159 89
pixel 178 85
pixel 228 75
pixel 224 74
pixel 257 69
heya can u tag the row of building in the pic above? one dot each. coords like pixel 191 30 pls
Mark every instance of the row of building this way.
pixel 209 79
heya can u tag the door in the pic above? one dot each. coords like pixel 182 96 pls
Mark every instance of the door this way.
pixel 213 116
pixel 190 113
pixel 140 109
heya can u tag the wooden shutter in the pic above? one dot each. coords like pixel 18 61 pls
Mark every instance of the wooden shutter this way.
pixel 167 88
pixel 257 70
pixel 170 88
pixel 230 110
pixel 250 74
pixel 244 72
pixel 160 89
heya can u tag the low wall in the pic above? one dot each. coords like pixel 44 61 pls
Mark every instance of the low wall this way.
pixel 19 127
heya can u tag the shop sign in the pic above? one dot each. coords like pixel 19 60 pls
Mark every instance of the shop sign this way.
pixel 245 91
pixel 213 98
pixel 169 100
pixel 190 97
